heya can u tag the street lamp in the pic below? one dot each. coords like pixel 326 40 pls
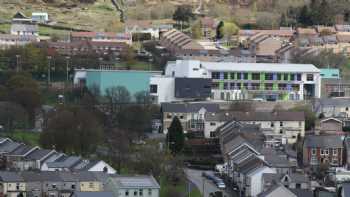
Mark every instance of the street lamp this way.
pixel 48 71
pixel 67 66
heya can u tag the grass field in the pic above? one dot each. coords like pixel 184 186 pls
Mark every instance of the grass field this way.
pixel 27 137
pixel 181 188
pixel 5 28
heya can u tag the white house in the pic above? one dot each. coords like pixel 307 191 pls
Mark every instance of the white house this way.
pixel 126 186
pixel 40 17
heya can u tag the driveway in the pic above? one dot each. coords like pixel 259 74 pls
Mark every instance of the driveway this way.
pixel 203 184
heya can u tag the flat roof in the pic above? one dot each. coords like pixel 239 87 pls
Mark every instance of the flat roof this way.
pixel 260 67
pixel 100 70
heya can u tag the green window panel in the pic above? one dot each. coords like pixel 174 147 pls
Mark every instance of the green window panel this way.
pixel 285 97
pixel 275 86
pixel 233 76
pixel 221 85
pixel 262 76
pixel 262 86
pixel 249 76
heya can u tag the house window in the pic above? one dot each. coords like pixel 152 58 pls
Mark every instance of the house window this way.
pixel 212 124
pixel 347 109
pixel 150 192
pixel 54 186
pixel 309 77
pixel 281 131
pixel 73 186
pixel 135 193
pixel 326 151
pixel 168 116
pixel 91 185
pixel 239 75
pixel 268 76
pixel 232 75
pixel 322 152
pixel 140 192
pixel 225 86
pixel 313 151
pixel 298 186
pixel 281 124
pixel 292 77
pixel 181 117
pixel 285 77
pixel 153 88
pixel 272 124
pixel 245 76
pixel 212 134
pixel 335 151
pixel 279 76
pixel 127 193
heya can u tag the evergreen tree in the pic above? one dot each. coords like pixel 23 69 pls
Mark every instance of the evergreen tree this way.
pixel 176 137
pixel 304 16
pixel 220 30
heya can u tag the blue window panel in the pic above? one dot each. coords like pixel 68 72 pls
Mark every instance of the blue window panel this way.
pixel 221 75
pixel 289 87
pixel 274 77
pixel 242 76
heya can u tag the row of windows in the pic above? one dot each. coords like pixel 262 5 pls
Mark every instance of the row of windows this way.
pixel 138 193
pixel 324 151
pixel 257 76
pixel 256 86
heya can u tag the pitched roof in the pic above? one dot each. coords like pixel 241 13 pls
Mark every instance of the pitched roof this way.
pixel 328 141
pixel 22 150
pixel 302 192
pixel 277 191
pixel 8 146
pixel 85 176
pixel 31 176
pixel 20 15
pixel 189 107
pixel 255 116
pixel 276 178
pixel 39 154
pixel 346 189
pixel 251 164
pixel 135 182
pixel 64 162
pixel 8 176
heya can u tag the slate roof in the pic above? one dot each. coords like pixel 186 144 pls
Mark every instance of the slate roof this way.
pixel 31 176
pixel 278 190
pixel 330 102
pixel 21 150
pixel 64 162
pixel 85 176
pixel 189 107
pixel 302 192
pixel 328 141
pixel 7 176
pixel 250 164
pixel 136 182
pixel 256 116
pixel 278 161
pixel 24 27
pixel 92 194
pixel 276 178
pixel 7 146
pixel 38 154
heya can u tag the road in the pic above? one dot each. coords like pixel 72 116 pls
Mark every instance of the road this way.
pixel 195 176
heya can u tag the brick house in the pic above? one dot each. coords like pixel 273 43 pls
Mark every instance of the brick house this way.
pixel 323 149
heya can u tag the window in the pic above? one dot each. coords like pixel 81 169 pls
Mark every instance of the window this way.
pixel 225 86
pixel 225 75
pixel 313 151
pixel 335 151
pixel 326 151
pixel 268 76
pixel 281 131
pixel 281 124
pixel 153 88
pixel 181 117
pixel 73 186
pixel 239 75
pixel 298 186
pixel 91 185
pixel 54 186
pixel 150 192
pixel 127 193
pixel 309 77
pixel 255 76
pixel 292 77
pixel 285 77
pixel 215 75
pixel 168 116
pixel 279 76
pixel 322 152
pixel 212 134
pixel 232 75
pixel 245 76
pixel 298 77
pixel 238 86
pixel 140 192
pixel 272 124
pixel 135 193
pixel 212 124
pixel 215 85
pixel 346 108
pixel 17 187
pixel 232 86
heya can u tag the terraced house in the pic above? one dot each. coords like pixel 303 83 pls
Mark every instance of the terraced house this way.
pixel 237 81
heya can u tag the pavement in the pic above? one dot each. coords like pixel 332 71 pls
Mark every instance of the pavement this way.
pixel 204 185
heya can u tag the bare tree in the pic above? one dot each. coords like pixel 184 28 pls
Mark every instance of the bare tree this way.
pixel 121 7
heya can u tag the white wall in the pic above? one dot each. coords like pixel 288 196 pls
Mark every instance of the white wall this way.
pixel 100 166
pixel 165 88
pixel 256 183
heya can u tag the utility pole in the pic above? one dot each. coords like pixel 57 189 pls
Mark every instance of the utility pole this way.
pixel 48 71
pixel 17 62
pixel 67 67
